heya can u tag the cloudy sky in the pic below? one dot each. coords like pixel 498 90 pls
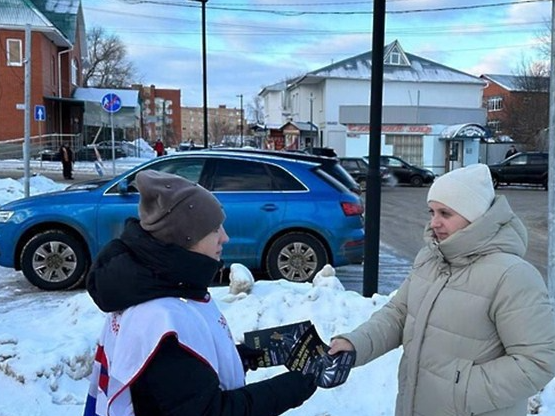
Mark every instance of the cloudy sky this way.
pixel 255 43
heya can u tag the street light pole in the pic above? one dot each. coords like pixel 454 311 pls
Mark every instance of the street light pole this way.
pixel 241 120
pixel 204 75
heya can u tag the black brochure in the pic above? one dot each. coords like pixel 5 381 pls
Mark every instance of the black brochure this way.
pixel 299 347
pixel 310 356
pixel 276 342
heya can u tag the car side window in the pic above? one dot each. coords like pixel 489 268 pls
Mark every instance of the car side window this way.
pixel 191 168
pixel 519 160
pixel 284 181
pixel 394 163
pixel 240 175
pixel 537 160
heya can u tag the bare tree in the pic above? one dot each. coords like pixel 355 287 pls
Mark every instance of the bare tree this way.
pixel 109 66
pixel 255 110
pixel 544 38
pixel 526 113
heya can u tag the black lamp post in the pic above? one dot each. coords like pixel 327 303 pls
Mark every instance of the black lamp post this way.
pixel 204 77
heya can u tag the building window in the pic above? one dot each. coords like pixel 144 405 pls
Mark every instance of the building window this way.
pixel 394 58
pixel 494 126
pixel 53 70
pixel 407 146
pixel 74 71
pixel 495 103
pixel 14 52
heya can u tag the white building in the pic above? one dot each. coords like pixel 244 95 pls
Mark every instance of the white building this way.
pixel 432 114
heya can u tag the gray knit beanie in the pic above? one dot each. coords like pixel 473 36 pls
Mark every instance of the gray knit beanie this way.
pixel 175 210
pixel 469 191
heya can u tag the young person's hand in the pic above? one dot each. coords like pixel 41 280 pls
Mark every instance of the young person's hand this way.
pixel 249 356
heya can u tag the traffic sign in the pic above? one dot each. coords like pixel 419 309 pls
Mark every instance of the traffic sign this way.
pixel 111 103
pixel 40 113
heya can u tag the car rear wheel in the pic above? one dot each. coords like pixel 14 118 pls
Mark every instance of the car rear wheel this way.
pixel 296 257
pixel 495 181
pixel 54 260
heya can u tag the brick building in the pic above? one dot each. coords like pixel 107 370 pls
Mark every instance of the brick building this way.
pixel 58 46
pixel 222 121
pixel 517 107
pixel 160 114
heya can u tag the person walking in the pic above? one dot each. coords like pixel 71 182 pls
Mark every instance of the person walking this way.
pixel 159 148
pixel 66 157
pixel 474 319
pixel 165 348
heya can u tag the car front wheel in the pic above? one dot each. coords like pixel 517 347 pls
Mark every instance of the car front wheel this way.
pixel 54 260
pixel 296 257
pixel 495 181
pixel 416 181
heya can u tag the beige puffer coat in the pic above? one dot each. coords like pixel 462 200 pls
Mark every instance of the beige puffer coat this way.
pixel 475 322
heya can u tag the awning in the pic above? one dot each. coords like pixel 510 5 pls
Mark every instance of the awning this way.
pixel 468 131
pixel 64 100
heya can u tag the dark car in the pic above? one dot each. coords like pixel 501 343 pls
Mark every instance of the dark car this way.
pixel 528 168
pixel 286 217
pixel 358 169
pixel 88 153
pixel 49 155
pixel 405 173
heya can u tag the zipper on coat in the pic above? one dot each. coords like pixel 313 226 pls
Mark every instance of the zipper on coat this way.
pixel 457 377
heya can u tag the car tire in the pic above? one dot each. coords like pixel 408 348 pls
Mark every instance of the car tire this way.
pixel 54 260
pixel 495 181
pixel 416 181
pixel 296 257
pixel 545 183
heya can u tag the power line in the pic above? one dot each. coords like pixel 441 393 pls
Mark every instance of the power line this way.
pixel 291 13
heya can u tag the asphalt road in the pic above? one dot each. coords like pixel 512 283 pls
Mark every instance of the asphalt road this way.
pixel 404 214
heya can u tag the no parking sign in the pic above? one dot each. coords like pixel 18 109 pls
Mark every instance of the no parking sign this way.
pixel 111 103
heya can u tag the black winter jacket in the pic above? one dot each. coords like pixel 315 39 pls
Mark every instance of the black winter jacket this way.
pixel 136 268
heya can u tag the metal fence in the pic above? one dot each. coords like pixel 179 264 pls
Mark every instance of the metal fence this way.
pixel 38 145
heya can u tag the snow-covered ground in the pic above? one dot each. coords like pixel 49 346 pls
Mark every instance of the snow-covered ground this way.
pixel 47 339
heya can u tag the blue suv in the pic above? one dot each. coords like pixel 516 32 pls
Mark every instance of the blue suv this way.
pixel 286 217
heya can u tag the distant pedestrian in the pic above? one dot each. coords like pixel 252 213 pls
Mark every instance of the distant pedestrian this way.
pixel 66 157
pixel 512 151
pixel 159 148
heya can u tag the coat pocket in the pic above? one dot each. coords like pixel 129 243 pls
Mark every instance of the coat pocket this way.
pixel 460 386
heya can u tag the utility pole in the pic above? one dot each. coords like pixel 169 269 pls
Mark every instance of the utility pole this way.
pixel 311 122
pixel 27 116
pixel 204 73
pixel 551 168
pixel 241 120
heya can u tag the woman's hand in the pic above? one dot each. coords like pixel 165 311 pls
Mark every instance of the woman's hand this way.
pixel 340 344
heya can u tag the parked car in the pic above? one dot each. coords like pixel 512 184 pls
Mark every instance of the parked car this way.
pixel 104 148
pixel 49 155
pixel 358 169
pixel 522 168
pixel 286 217
pixel 329 164
pixel 405 173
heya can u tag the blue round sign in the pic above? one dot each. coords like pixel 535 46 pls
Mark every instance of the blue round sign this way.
pixel 111 103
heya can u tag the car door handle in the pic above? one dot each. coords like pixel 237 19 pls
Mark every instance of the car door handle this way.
pixel 269 207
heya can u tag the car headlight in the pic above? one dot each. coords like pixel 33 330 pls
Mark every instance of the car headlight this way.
pixel 5 216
